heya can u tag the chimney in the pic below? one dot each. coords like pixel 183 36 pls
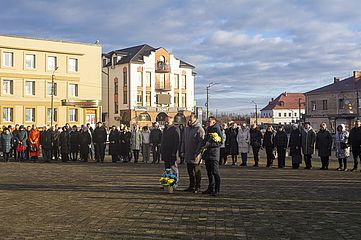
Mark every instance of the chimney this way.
pixel 336 79
pixel 357 75
pixel 272 99
pixel 285 94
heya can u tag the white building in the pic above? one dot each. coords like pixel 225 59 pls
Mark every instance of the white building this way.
pixel 143 84
pixel 285 109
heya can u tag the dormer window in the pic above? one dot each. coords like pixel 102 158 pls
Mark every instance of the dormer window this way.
pixel 282 103
pixel 115 60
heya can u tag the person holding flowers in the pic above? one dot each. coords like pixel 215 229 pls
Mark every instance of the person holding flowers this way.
pixel 211 148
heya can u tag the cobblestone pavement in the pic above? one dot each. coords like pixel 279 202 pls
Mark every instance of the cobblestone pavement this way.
pixel 124 201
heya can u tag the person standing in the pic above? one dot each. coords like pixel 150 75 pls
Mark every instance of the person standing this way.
pixel 113 143
pixel 64 144
pixel 15 141
pixel 243 139
pixel 191 147
pixel 146 144
pixel 34 141
pixel 155 142
pixel 223 151
pixel 100 138
pixel 255 142
pixel 308 144
pixel 6 140
pixel 342 147
pixel 295 145
pixel 170 145
pixel 232 142
pixel 355 143
pixel 324 145
pixel 91 132
pixel 125 144
pixel 21 137
pixel 136 142
pixel 46 142
pixel 74 141
pixel 269 145
pixel 84 144
pixel 56 135
pixel 281 141
pixel 211 157
pixel 180 154
pixel 27 151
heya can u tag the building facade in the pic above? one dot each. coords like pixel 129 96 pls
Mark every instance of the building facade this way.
pixel 143 84
pixel 285 109
pixel 26 69
pixel 335 104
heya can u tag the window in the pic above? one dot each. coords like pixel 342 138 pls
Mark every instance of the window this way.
pixel 73 115
pixel 281 103
pixel 279 114
pixel 116 89
pixel 125 97
pixel 295 114
pixel 52 63
pixel 184 100
pixel 148 99
pixel 30 61
pixel 140 79
pixel 161 81
pixel 341 104
pixel 176 80
pixel 8 87
pixel 324 105
pixel 148 79
pixel 8 114
pixel 30 88
pixel 73 90
pixel 55 115
pixel 285 114
pixel 176 100
pixel 73 65
pixel 116 107
pixel 140 98
pixel 125 77
pixel 8 58
pixel 115 60
pixel 29 114
pixel 184 81
pixel 313 105
pixel 49 89
pixel 290 114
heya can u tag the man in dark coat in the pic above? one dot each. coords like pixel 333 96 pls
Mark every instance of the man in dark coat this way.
pixel 46 142
pixel 170 145
pixel 354 141
pixel 99 138
pixel 114 139
pixel 56 135
pixel 269 145
pixel 281 141
pixel 295 145
pixel 255 142
pixel 155 142
pixel 64 144
pixel 324 145
pixel 231 142
pixel 211 157
pixel 308 144
pixel 74 143
pixel 84 142
pixel 191 146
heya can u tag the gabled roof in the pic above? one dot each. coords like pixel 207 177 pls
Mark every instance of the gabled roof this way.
pixel 185 65
pixel 285 101
pixel 347 84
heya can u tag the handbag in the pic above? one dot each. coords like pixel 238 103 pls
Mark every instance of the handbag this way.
pixel 20 148
pixel 33 148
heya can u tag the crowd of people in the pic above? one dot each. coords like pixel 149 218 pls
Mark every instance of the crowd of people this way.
pixel 185 143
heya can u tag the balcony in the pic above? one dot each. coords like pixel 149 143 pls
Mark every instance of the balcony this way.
pixel 162 67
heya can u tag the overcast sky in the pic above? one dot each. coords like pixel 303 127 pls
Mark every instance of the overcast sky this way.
pixel 254 49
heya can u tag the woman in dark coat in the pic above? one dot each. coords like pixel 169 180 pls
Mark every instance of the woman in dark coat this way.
pixel 114 138
pixel 74 143
pixel 256 142
pixel 324 145
pixel 231 142
pixel 281 141
pixel 125 144
pixel 6 140
pixel 21 138
pixel 64 144
pixel 295 146
pixel 84 142
pixel 269 145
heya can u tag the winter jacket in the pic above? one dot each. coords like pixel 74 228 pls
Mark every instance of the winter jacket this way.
pixel 324 143
pixel 281 140
pixel 192 141
pixel 268 139
pixel 155 136
pixel 213 151
pixel 46 139
pixel 295 143
pixel 170 144
pixel 64 142
pixel 308 141
pixel 74 141
pixel 256 137
pixel 100 135
pixel 231 141
pixel 6 142
pixel 34 142
pixel 21 136
pixel 114 142
pixel 355 137
pixel 136 141
pixel 341 143
pixel 243 139
pixel 146 137
pixel 84 141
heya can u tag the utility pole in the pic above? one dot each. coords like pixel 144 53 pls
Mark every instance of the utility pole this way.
pixel 52 98
pixel 207 97
pixel 299 109
pixel 358 105
pixel 256 110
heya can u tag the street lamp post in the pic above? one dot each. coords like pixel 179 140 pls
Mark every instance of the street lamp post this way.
pixel 52 98
pixel 207 99
pixel 256 110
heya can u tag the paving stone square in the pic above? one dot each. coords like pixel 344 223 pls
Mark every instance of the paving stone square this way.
pixel 125 201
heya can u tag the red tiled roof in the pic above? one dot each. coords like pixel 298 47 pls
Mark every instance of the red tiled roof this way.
pixel 290 101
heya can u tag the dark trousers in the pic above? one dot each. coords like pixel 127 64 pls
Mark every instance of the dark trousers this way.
pixel 270 156
pixel 234 159
pixel 156 153
pixel 195 175
pixel 56 152
pixel 281 152
pixel 84 156
pixel 244 157
pixel 74 155
pixel 356 152
pixel 214 179
pixel 15 153
pixel 344 160
pixel 136 155
pixel 64 157
pixel 255 154
pixel 115 158
pixel 324 162
pixel 47 154
pixel 100 152
pixel 308 160
pixel 6 156
pixel 222 156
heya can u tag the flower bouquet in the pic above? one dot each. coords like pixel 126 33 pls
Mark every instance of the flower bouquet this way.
pixel 213 138
pixel 168 179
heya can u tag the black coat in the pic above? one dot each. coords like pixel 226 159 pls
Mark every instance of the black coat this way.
pixel 324 143
pixel 64 142
pixel 308 141
pixel 84 141
pixel 46 139
pixel 281 140
pixel 256 137
pixel 213 151
pixel 295 143
pixel 231 141
pixel 268 139
pixel 155 136
pixel 125 138
pixel 354 138
pixel 100 135
pixel 74 141
pixel 170 144
pixel 114 142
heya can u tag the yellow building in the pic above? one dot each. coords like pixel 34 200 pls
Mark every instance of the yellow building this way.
pixel 26 69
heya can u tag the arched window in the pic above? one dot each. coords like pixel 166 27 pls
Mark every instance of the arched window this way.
pixel 144 117
pixel 161 117
pixel 179 118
